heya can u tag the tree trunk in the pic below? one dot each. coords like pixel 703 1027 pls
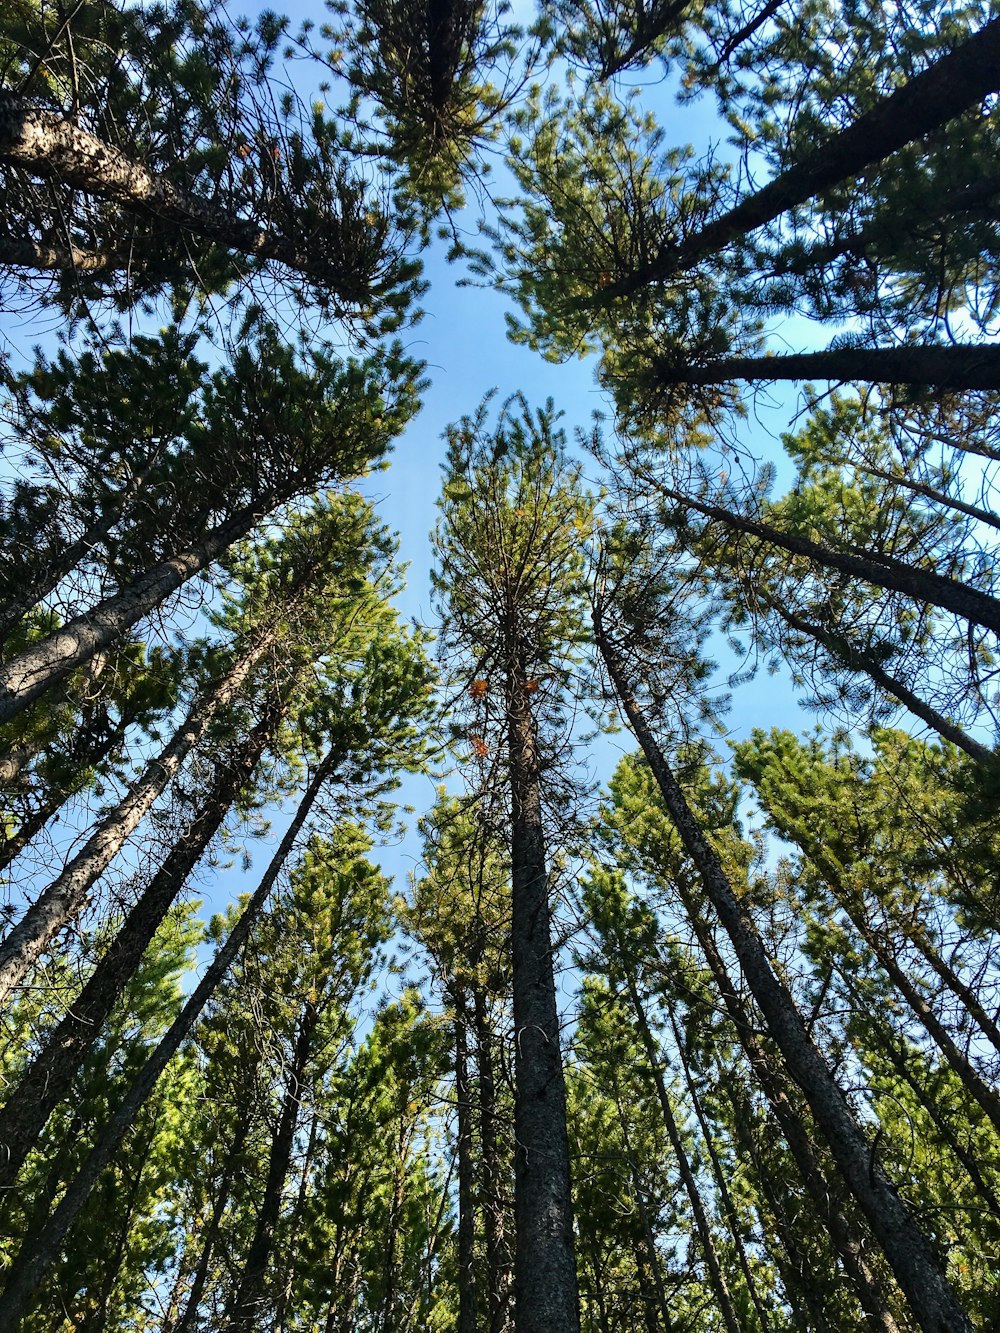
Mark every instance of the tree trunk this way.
pixel 48 144
pixel 67 894
pixel 33 586
pixel 186 1323
pixel 844 1233
pixel 719 1176
pixel 26 677
pixel 940 367
pixel 47 1079
pixel 467 1316
pixel 492 1204
pixel 39 1252
pixel 853 906
pixel 953 84
pixel 545 1287
pixel 922 585
pixel 858 660
pixel 245 1306
pixel 717 1278
pixel 910 1256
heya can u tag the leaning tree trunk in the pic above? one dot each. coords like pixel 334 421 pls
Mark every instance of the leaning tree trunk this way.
pixel 48 1077
pixel 941 367
pixel 545 1286
pixel 33 585
pixel 717 1278
pixel 910 1256
pixel 884 571
pixel 862 662
pixel 39 1252
pixel 719 1175
pixel 844 1233
pixel 26 677
pixel 953 84
pixel 68 892
pixel 244 1308
pixel 49 144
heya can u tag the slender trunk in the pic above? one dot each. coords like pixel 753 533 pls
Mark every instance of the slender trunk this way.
pixel 931 493
pixel 214 1229
pixel 545 1288
pixel 859 660
pixel 901 1062
pixel 26 677
pixel 651 1258
pixel 717 1277
pixel 33 586
pixel 796 1269
pixel 910 1256
pixel 852 904
pixel 719 1177
pixel 68 892
pixel 292 1252
pixel 922 585
pixel 955 83
pixel 39 1252
pixel 245 1306
pixel 493 1211
pixel 844 1234
pixel 467 1316
pixel 48 144
pixel 47 1079
pixel 941 367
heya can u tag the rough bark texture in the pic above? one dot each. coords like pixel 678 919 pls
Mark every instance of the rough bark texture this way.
pixel 41 1251
pixel 923 585
pixel 48 1078
pixel 953 84
pixel 26 677
pixel 945 367
pixel 545 1286
pixel 48 144
pixel 67 894
pixel 910 1256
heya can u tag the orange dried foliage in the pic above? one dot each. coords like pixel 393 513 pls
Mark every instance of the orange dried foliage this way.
pixel 478 689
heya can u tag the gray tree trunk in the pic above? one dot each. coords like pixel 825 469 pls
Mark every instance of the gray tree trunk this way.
pixel 910 1256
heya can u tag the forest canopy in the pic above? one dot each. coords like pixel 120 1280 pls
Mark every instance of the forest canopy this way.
pixel 687 1013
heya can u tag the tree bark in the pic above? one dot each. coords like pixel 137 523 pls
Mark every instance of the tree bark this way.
pixel 910 1256
pixel 717 1278
pixel 26 677
pixel 953 84
pixel 884 571
pixel 39 1252
pixel 939 367
pixel 545 1285
pixel 49 144
pixel 245 1307
pixel 67 893
pixel 47 1079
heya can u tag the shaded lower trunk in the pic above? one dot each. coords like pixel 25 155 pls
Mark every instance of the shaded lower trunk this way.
pixel 545 1287
pixel 911 1258
pixel 47 1079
